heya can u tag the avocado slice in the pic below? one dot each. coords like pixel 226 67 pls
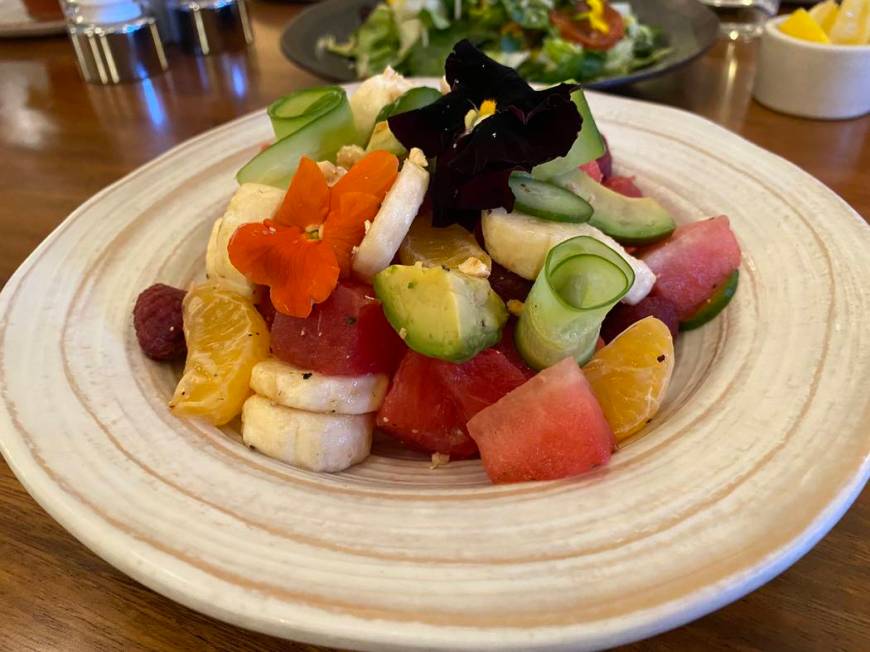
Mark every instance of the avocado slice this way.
pixel 383 138
pixel 628 220
pixel 439 312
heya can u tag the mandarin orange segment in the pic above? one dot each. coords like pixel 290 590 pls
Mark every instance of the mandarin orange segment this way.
pixel 630 376
pixel 374 174
pixel 450 246
pixel 226 337
pixel 307 198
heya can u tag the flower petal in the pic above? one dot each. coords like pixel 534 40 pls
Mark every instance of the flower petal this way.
pixel 373 174
pixel 299 271
pixel 472 169
pixel 345 228
pixel 307 198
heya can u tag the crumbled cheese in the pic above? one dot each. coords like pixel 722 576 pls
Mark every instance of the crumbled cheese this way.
pixel 403 332
pixel 417 157
pixel 331 171
pixel 439 459
pixel 474 267
pixel 349 155
pixel 515 307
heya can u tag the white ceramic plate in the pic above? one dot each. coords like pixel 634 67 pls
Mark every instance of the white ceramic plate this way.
pixel 761 446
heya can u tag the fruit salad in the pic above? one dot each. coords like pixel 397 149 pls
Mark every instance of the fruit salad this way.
pixel 461 269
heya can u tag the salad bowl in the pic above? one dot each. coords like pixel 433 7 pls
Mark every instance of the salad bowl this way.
pixel 760 446
pixel 689 27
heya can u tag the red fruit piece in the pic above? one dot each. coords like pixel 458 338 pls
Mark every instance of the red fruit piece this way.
pixel 346 335
pixel 624 186
pixel 508 285
pixel 605 161
pixel 480 382
pixel 430 400
pixel 157 319
pixel 263 304
pixel 593 170
pixel 692 263
pixel 419 412
pixel 548 428
pixel 508 347
pixel 623 315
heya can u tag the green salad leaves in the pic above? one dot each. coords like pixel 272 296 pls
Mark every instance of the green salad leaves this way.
pixel 416 36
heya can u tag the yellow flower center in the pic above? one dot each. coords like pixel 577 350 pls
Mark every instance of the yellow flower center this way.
pixel 487 108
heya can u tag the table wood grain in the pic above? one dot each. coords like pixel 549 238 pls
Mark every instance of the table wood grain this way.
pixel 62 140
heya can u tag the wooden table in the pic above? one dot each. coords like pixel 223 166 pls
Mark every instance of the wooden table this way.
pixel 62 140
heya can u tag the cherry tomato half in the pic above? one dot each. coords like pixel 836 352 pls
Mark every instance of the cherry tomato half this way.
pixel 581 31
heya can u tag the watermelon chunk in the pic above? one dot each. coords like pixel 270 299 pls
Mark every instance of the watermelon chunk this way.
pixel 693 262
pixel 624 186
pixel 593 170
pixel 346 335
pixel 480 382
pixel 421 413
pixel 548 428
pixel 430 400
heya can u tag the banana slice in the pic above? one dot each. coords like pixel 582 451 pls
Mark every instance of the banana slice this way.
pixel 373 95
pixel 391 224
pixel 305 390
pixel 520 243
pixel 317 442
pixel 253 202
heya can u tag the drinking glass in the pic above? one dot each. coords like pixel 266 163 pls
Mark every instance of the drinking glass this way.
pixel 743 19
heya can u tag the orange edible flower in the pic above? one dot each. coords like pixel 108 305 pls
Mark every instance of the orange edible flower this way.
pixel 308 244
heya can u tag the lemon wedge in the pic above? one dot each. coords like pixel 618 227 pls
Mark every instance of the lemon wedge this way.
pixel 801 25
pixel 825 13
pixel 852 25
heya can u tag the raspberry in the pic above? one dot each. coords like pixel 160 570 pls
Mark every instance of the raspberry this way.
pixel 158 322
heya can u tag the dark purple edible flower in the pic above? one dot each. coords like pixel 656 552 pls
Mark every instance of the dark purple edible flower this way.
pixel 472 168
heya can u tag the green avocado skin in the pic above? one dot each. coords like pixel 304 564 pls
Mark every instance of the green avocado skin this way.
pixel 714 305
pixel 441 313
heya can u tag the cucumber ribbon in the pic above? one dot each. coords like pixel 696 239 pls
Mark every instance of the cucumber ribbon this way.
pixel 588 146
pixel 315 122
pixel 581 280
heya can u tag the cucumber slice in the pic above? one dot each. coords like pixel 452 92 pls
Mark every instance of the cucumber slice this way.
pixel 547 201
pixel 714 305
pixel 319 137
pixel 292 112
pixel 628 220
pixel 587 147
pixel 582 279
pixel 416 98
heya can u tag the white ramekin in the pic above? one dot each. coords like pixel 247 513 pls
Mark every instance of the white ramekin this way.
pixel 812 80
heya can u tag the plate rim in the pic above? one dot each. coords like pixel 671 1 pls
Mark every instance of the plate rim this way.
pixel 738 584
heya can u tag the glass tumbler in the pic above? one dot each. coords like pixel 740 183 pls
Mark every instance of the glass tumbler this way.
pixel 743 19
pixel 114 40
